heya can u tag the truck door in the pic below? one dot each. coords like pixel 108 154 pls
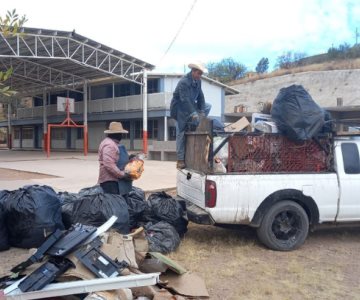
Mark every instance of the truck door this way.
pixel 348 168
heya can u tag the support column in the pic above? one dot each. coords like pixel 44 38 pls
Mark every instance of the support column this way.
pixel 145 132
pixel 85 100
pixel 21 137
pixel 9 136
pixel 165 128
pixel 339 102
pixel 45 137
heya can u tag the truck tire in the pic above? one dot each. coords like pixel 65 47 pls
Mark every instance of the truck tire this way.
pixel 284 227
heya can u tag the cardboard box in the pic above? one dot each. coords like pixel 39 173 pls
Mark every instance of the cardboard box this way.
pixel 238 125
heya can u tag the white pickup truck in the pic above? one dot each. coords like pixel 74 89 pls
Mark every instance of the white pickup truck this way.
pixel 283 206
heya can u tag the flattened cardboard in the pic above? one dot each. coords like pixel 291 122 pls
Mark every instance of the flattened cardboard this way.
pixel 124 246
pixel 188 284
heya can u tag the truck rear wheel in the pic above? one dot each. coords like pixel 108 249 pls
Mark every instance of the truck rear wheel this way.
pixel 284 227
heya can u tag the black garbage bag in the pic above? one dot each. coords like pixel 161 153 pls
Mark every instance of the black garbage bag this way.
pixel 68 199
pixel 67 206
pixel 166 208
pixel 136 203
pixel 96 209
pixel 4 235
pixel 296 114
pixel 32 212
pixel 96 189
pixel 162 237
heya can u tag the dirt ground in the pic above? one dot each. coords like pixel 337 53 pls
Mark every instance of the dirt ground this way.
pixel 235 265
pixel 9 174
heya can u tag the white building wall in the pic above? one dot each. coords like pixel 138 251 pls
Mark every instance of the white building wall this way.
pixel 170 84
pixel 212 95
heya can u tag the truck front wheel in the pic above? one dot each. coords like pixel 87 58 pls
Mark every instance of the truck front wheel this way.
pixel 284 227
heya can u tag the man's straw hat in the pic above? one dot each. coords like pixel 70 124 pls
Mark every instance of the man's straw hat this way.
pixel 198 66
pixel 115 127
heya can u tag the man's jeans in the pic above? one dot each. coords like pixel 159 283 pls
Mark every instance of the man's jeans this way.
pixel 180 135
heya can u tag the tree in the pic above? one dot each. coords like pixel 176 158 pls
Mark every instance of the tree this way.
pixel 262 66
pixel 289 60
pixel 226 70
pixel 9 26
pixel 297 58
pixel 284 61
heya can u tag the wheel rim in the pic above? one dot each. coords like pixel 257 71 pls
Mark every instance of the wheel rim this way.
pixel 287 225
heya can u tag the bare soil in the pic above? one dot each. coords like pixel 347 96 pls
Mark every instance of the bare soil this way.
pixel 10 174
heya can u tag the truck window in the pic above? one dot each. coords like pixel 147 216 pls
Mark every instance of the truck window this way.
pixel 351 159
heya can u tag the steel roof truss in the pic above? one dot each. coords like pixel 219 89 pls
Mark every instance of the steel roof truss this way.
pixel 39 73
pixel 39 46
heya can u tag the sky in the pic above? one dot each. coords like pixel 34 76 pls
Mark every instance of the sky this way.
pixel 201 30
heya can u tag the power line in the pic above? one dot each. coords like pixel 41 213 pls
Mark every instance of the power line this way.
pixel 178 32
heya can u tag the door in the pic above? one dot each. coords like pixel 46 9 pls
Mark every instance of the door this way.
pixel 348 165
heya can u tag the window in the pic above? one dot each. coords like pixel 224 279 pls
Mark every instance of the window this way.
pixel 79 133
pixel 126 126
pixel 38 101
pixel 127 89
pixel 138 129
pixel 153 129
pixel 16 133
pixel 351 159
pixel 77 96
pixel 172 133
pixel 153 85
pixel 101 91
pixel 53 97
pixel 27 133
pixel 58 133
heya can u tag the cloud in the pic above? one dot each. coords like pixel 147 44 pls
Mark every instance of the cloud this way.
pixel 244 30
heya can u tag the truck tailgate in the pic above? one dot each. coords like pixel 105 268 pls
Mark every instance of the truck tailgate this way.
pixel 191 186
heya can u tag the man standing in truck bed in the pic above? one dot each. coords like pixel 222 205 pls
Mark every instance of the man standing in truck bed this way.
pixel 187 106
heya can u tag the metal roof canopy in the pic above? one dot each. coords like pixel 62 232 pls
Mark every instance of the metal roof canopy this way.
pixel 49 59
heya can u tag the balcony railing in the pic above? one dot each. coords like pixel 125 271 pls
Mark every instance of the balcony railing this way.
pixel 127 103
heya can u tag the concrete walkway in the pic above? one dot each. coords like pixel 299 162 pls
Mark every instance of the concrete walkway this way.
pixel 74 171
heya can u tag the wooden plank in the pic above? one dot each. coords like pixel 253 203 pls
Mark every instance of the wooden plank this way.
pixel 197 152
pixel 199 146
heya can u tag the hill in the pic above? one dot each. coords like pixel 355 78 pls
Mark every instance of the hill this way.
pixel 325 82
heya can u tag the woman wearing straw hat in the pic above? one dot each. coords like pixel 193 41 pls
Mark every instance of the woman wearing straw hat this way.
pixel 112 179
pixel 187 105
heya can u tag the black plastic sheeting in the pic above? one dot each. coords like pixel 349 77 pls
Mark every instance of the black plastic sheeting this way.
pixel 136 205
pixel 4 235
pixel 96 209
pixel 162 237
pixel 30 213
pixel 162 207
pixel 296 114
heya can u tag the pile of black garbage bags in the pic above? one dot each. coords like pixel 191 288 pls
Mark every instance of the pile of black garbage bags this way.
pixel 31 213
pixel 298 116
